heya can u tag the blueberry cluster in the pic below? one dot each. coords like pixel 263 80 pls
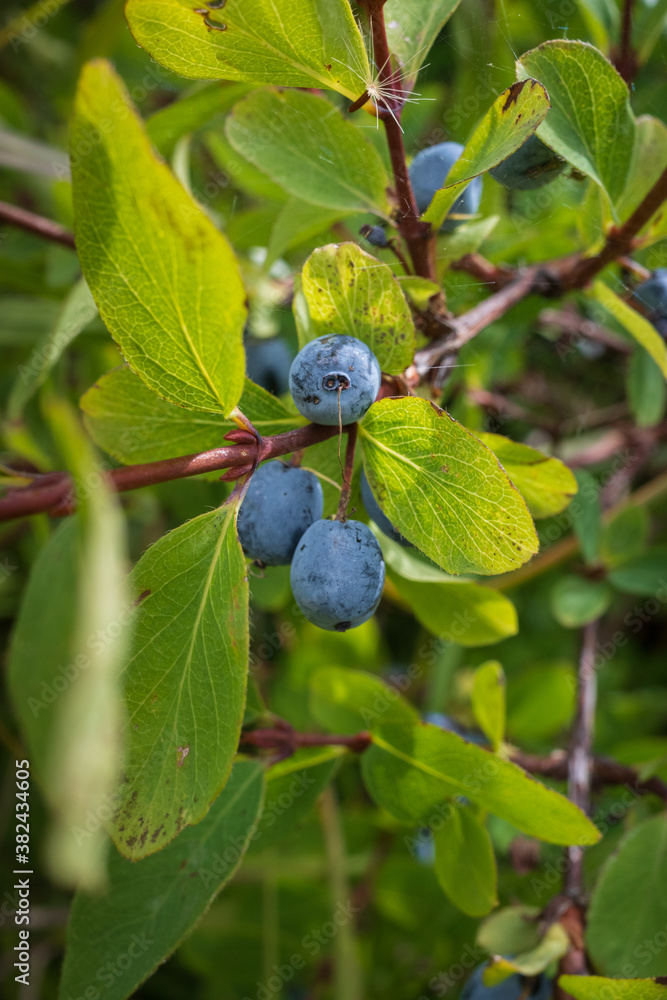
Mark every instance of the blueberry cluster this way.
pixel 653 296
pixel 337 570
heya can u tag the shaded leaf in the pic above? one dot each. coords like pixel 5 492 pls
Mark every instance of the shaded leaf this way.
pixel 576 601
pixel 151 906
pixel 349 291
pixel 625 536
pixel 165 280
pixel 304 144
pixel 191 112
pixel 465 862
pixel 297 223
pixel 590 123
pixel 550 948
pixel 644 574
pixel 347 701
pixel 443 489
pixel 185 680
pixel 510 931
pixel 488 700
pixel 412 28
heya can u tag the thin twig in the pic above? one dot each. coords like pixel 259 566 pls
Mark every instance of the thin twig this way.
pixel 348 470
pixel 36 224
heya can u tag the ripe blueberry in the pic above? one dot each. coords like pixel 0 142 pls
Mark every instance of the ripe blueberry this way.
pixel 337 574
pixel 449 725
pixel 512 988
pixel 376 514
pixel 268 363
pixel 653 295
pixel 428 172
pixel 332 368
pixel 531 166
pixel 375 235
pixel 280 504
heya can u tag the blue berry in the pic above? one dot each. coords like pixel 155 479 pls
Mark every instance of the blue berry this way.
pixel 332 368
pixel 532 166
pixel 653 295
pixel 512 988
pixel 375 513
pixel 268 363
pixel 428 173
pixel 337 574
pixel 280 504
pixel 375 235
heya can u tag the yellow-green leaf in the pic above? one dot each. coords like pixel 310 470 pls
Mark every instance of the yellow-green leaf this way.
pixel 164 278
pixel 597 988
pixel 465 862
pixel 488 700
pixel 546 484
pixel 639 328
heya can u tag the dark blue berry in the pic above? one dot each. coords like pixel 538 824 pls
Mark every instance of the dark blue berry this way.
pixel 337 574
pixel 653 295
pixel 280 504
pixel 428 173
pixel 332 369
pixel 532 166
pixel 268 363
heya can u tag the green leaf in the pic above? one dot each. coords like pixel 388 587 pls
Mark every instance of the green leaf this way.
pixel 292 788
pixel 625 536
pixel 297 223
pixel 190 112
pixel 347 701
pixel 410 771
pixel 302 43
pixel 185 680
pixel 488 700
pixel 130 422
pixel 546 484
pixel 550 948
pixel 443 489
pixel 466 239
pixel 590 123
pixel 510 120
pixel 304 144
pixel 586 519
pixel 165 280
pixel 597 988
pixel 649 159
pixel 639 328
pixel 412 28
pixel 349 291
pixel 576 601
pixel 636 873
pixel 466 613
pixel 77 311
pixel 647 393
pixel 511 930
pixel 64 675
pixel 151 906
pixel 541 702
pixel 465 862
pixel 644 574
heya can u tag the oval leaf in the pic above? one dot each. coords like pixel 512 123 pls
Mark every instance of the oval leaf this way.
pixel 346 701
pixel 443 489
pixel 465 862
pixel 303 43
pixel 185 681
pixel 488 700
pixel 165 280
pixel 304 144
pixel 349 291
pixel 636 325
pixel 545 483
pixel 152 905
pixel 510 120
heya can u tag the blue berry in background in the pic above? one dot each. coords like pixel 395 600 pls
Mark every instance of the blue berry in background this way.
pixel 532 166
pixel 450 725
pixel 428 172
pixel 337 574
pixel 268 363
pixel 375 513
pixel 512 988
pixel 425 847
pixel 280 504
pixel 375 235
pixel 331 367
pixel 653 295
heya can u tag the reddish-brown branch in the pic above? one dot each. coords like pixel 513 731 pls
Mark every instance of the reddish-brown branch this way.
pixel 621 239
pixel 415 233
pixel 625 59
pixel 604 772
pixel 36 224
pixel 288 741
pixel 38 498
